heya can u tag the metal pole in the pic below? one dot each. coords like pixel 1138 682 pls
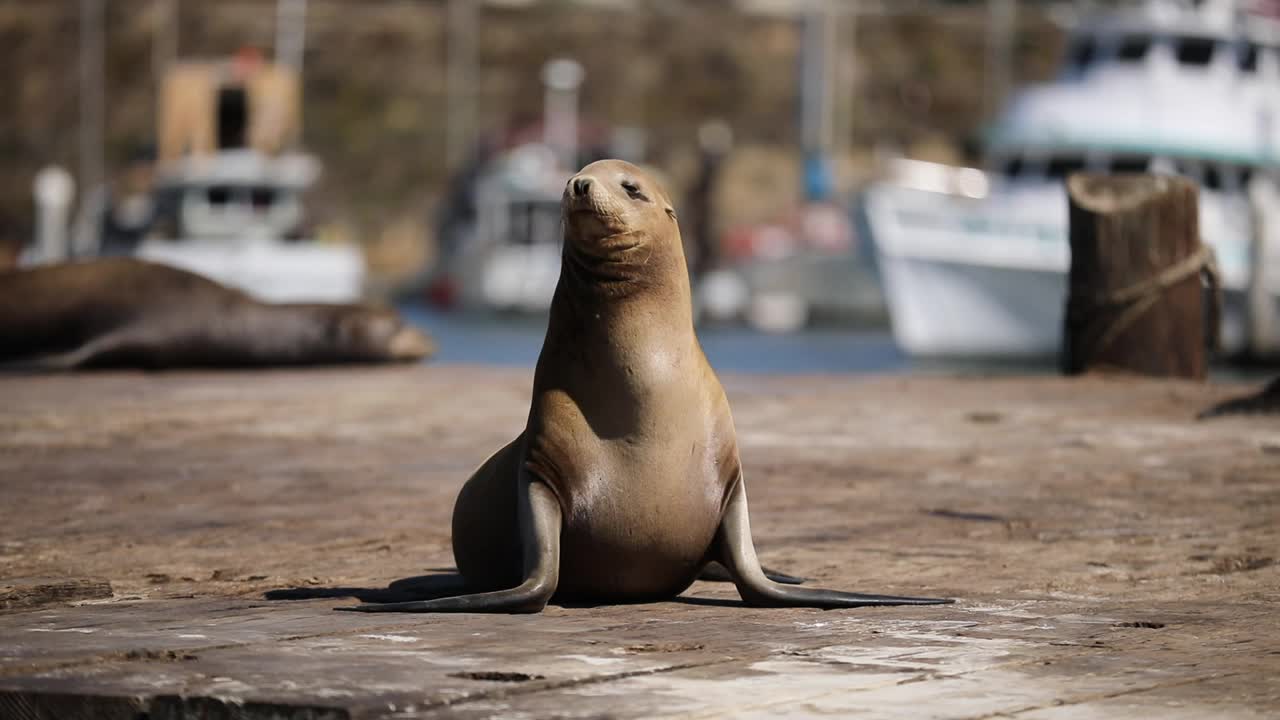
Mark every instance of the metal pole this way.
pixel 1001 16
pixel 164 43
pixel 460 82
pixel 811 53
pixel 291 43
pixel 92 108
pixel 819 57
pixel 845 78
pixel 830 77
pixel 291 33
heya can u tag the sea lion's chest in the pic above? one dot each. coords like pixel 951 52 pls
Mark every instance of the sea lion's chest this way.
pixel 639 521
pixel 641 491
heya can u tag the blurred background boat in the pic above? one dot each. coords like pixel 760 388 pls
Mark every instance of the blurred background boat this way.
pixel 446 129
pixel 223 194
pixel 975 260
pixel 236 216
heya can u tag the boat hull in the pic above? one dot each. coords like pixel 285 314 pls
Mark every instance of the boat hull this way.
pixel 271 271
pixel 951 309
pixel 988 278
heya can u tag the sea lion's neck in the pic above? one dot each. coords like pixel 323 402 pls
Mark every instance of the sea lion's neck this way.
pixel 638 289
pixel 618 323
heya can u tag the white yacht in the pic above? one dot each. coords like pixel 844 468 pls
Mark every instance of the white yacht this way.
pixel 508 253
pixel 974 261
pixel 237 217
pixel 221 195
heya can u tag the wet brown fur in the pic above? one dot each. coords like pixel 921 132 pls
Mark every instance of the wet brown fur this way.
pixel 628 426
pixel 122 312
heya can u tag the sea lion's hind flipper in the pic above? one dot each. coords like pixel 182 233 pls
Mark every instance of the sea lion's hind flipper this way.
pixel 34 364
pixel 738 555
pixel 63 361
pixel 540 543
pixel 715 571
pixel 105 347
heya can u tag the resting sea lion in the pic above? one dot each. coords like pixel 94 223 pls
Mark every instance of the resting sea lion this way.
pixel 122 312
pixel 1265 401
pixel 626 481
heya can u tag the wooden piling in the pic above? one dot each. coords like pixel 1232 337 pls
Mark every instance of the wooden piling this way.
pixel 1135 300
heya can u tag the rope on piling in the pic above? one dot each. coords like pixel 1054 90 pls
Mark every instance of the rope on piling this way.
pixel 1143 295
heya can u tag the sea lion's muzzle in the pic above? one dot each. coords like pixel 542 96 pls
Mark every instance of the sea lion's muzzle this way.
pixel 608 212
pixel 590 207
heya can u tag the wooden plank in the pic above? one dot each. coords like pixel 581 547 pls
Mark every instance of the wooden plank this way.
pixel 24 593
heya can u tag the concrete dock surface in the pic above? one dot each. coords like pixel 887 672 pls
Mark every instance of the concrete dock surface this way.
pixel 172 545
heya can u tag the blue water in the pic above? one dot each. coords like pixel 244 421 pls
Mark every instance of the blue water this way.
pixel 515 340
pixel 512 340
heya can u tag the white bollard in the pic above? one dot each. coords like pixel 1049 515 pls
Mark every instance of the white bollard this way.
pixel 54 190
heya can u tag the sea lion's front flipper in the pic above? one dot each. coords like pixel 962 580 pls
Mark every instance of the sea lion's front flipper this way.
pixel 1265 401
pixel 738 554
pixel 717 572
pixel 540 543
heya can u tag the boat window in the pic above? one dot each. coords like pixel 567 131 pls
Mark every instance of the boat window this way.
pixel 1130 164
pixel 1246 174
pixel 1014 167
pixel 1248 58
pixel 1060 167
pixel 262 196
pixel 233 117
pixel 1082 53
pixel 1133 48
pixel 1213 177
pixel 1195 50
pixel 218 194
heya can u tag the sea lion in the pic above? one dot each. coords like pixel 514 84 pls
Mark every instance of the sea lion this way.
pixel 121 312
pixel 626 481
pixel 1264 402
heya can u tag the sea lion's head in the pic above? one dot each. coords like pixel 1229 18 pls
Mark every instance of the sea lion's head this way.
pixel 617 213
pixel 366 332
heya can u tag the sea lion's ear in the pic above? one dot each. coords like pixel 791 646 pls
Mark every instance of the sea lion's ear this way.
pixel 671 213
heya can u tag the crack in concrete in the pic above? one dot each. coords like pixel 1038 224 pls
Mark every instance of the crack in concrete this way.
pixel 1104 696
pixel 543 686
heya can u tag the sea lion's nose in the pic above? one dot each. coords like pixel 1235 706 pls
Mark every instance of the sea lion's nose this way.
pixel 581 186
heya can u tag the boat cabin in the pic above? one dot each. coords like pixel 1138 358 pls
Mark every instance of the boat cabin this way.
pixel 1032 165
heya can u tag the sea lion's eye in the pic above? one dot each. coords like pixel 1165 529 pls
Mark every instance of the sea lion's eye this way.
pixel 634 191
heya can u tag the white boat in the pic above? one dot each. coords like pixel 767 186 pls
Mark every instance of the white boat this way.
pixel 236 217
pixel 974 261
pixel 222 196
pixel 508 256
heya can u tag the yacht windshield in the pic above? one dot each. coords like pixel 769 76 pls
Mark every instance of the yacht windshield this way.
pixel 1082 53
pixel 1214 176
pixel 1062 166
pixel 1194 51
pixel 1134 164
pixel 1133 48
